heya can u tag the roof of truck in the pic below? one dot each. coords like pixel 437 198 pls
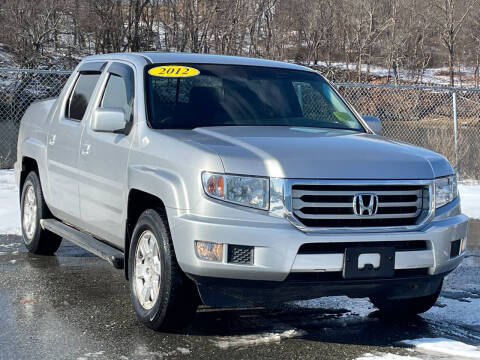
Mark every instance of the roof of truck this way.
pixel 187 58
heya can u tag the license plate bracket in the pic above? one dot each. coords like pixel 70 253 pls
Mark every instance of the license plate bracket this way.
pixel 385 269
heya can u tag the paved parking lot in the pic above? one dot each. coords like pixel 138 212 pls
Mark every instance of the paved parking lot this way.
pixel 75 305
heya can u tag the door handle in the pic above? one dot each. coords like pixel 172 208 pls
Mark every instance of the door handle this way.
pixel 51 140
pixel 85 150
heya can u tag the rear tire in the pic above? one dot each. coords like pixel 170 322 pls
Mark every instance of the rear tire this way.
pixel 164 299
pixel 34 208
pixel 405 307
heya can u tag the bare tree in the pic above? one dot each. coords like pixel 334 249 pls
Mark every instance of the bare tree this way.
pixel 405 36
pixel 32 37
pixel 450 18
pixel 367 27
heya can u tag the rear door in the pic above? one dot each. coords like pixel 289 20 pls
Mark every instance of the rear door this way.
pixel 103 159
pixel 63 143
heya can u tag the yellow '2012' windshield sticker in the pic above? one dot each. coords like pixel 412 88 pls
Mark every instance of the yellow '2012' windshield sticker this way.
pixel 173 71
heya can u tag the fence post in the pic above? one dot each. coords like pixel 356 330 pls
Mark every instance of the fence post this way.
pixel 455 129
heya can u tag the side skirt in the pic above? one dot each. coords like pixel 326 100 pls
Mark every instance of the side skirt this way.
pixel 88 242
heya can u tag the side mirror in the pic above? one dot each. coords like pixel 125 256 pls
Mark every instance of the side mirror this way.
pixel 110 120
pixel 374 123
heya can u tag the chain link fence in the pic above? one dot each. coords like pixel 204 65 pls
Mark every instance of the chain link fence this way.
pixel 445 120
pixel 18 89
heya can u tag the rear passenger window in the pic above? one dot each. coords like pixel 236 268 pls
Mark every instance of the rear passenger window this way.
pixel 80 96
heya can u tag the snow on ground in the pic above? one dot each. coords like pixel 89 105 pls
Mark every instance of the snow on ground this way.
pixel 444 346
pixel 9 208
pixel 431 76
pixel 470 195
pixel 256 339
pixel 386 356
pixel 453 313
pixel 6 59
pixel 360 307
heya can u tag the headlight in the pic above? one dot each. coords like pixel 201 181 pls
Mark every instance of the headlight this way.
pixel 241 190
pixel 445 190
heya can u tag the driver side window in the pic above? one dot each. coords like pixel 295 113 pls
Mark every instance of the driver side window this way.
pixel 119 91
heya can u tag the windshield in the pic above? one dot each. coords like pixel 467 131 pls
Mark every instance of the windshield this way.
pixel 188 96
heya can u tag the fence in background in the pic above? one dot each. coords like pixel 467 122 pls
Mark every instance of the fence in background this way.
pixel 18 89
pixel 446 120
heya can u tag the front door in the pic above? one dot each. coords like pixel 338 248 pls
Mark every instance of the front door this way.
pixel 103 160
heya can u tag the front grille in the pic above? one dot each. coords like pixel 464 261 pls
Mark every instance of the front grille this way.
pixel 325 205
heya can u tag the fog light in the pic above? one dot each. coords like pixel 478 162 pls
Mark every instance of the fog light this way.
pixel 209 251
pixel 464 245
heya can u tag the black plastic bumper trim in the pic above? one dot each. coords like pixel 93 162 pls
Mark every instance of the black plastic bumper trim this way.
pixel 220 292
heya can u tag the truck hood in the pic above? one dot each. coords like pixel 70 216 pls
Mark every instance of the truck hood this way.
pixel 314 153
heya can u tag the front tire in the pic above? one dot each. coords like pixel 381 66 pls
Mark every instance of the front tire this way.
pixel 164 299
pixel 405 307
pixel 33 209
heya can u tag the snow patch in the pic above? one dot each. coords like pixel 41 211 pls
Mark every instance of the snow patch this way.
pixel 360 307
pixel 431 76
pixel 183 351
pixel 9 206
pixel 256 339
pixel 470 198
pixel 445 347
pixel 386 356
pixel 10 246
pixel 91 355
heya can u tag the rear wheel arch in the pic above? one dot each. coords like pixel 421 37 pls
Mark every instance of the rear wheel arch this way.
pixel 138 202
pixel 30 164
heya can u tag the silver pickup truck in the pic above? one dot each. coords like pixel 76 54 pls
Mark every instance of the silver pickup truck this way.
pixel 232 181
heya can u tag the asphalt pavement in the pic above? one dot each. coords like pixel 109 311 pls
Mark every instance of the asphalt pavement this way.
pixel 76 306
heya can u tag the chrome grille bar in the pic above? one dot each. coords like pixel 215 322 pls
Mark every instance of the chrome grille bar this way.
pixel 300 214
pixel 300 193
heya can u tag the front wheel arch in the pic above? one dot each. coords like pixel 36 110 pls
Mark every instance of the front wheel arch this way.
pixel 138 202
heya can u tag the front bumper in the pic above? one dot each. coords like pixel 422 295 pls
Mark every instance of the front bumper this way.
pixel 276 244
